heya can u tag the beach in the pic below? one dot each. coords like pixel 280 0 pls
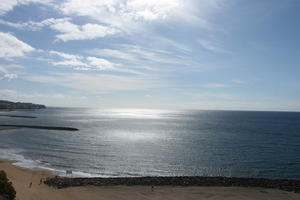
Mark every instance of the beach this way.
pixel 21 179
pixel 183 155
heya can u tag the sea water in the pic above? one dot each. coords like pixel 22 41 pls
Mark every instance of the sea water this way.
pixel 145 142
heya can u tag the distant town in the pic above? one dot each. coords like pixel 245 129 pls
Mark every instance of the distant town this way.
pixel 9 105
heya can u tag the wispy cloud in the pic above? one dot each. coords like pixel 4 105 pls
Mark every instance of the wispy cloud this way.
pixel 124 15
pixel 15 95
pixel 66 55
pixel 6 70
pixel 231 83
pixel 8 77
pixel 237 81
pixel 69 60
pixel 138 55
pixel 129 15
pixel 112 53
pixel 35 26
pixel 101 63
pixel 208 95
pixel 67 30
pixel 7 94
pixel 89 63
pixel 214 85
pixel 10 46
pixel 3 69
pixel 6 6
pixel 97 83
pixel 224 96
pixel 172 44
pixel 159 56
pixel 212 46
pixel 116 16
pixel 70 31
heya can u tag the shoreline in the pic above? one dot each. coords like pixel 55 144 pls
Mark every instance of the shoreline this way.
pixel 55 179
pixel 22 177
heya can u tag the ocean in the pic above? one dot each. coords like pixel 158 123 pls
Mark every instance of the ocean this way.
pixel 145 142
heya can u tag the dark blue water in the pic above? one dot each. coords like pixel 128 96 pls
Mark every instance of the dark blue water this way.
pixel 130 142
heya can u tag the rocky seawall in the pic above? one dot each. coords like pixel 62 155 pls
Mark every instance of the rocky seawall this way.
pixel 40 127
pixel 283 184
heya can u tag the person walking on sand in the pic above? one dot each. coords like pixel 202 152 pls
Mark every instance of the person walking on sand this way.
pixel 30 184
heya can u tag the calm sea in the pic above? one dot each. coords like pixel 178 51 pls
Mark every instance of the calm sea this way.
pixel 136 142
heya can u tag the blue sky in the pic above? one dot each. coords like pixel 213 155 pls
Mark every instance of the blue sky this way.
pixel 188 54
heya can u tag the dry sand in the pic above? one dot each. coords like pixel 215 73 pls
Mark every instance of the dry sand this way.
pixel 21 179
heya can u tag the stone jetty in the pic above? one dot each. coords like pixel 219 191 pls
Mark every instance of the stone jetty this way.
pixel 283 184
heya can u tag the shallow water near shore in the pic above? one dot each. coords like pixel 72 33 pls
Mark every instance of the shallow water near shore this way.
pixel 142 142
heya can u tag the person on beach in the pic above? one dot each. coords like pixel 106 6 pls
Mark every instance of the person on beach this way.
pixel 30 184
pixel 41 181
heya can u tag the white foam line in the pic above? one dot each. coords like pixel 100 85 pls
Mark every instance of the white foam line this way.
pixel 14 154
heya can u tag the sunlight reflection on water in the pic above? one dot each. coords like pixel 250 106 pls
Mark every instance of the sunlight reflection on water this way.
pixel 136 113
pixel 146 142
pixel 136 136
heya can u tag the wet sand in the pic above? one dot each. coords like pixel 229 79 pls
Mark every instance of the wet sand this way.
pixel 22 177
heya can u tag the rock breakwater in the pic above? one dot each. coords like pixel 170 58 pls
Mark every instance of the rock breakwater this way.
pixel 283 184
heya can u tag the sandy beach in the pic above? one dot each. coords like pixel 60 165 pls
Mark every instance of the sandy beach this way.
pixel 21 179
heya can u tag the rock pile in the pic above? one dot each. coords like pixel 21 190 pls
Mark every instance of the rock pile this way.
pixel 283 184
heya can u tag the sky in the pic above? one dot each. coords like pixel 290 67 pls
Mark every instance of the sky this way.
pixel 166 54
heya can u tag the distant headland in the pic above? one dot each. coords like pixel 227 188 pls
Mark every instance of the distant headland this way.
pixel 9 105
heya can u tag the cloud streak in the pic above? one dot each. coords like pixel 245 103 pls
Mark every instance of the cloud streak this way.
pixel 8 77
pixel 10 46
pixel 90 63
pixel 122 14
pixel 138 55
pixel 67 30
pixel 212 46
pixel 6 6
pixel 214 85
pixel 122 17
pixel 15 95
pixel 97 83
pixel 35 26
pixel 70 31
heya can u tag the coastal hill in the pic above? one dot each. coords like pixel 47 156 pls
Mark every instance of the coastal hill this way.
pixel 9 105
